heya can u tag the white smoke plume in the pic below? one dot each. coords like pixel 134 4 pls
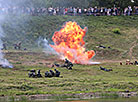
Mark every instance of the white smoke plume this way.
pixel 5 6
pixel 3 62
pixel 46 47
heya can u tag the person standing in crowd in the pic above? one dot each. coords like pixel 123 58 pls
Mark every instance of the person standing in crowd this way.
pixel 129 10
pixel 108 12
pixel 118 11
pixel 74 11
pixel 101 11
pixel 80 11
pixel 96 11
pixel 125 11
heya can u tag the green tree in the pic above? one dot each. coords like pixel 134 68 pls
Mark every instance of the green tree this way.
pixel 118 3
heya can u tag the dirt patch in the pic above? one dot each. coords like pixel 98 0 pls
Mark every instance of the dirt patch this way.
pixel 31 58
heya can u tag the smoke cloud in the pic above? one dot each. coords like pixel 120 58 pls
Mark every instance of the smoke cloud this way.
pixel 3 62
pixel 46 47
pixel 7 14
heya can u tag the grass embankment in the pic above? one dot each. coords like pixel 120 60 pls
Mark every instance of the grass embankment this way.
pixel 117 32
pixel 82 79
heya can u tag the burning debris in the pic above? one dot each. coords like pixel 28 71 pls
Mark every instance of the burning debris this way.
pixel 69 44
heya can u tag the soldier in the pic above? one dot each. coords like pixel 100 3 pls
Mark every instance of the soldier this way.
pixel 47 74
pixel 68 64
pixel 25 49
pixel 66 61
pixel 39 74
pixel 32 73
pixel 57 74
pixel 57 65
pixel 52 65
pixel 17 46
pixel 4 47
pixel 107 70
pixel 135 63
pixel 127 62
pixel 52 73
pixel 63 65
pixel 121 63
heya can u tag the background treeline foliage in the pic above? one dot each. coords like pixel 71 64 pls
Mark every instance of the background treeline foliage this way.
pixel 68 3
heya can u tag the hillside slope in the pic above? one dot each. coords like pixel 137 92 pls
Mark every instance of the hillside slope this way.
pixel 119 33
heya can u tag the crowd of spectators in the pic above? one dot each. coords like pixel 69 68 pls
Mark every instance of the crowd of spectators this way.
pixel 96 11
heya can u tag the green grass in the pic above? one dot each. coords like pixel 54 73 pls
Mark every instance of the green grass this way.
pixel 28 29
pixel 82 79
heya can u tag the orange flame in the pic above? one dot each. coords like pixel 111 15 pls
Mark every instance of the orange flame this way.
pixel 69 43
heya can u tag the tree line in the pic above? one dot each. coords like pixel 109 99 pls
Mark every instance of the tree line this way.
pixel 68 3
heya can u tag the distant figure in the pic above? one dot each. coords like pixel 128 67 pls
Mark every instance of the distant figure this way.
pixel 107 70
pixel 135 63
pixel 52 65
pixel 25 49
pixel 131 63
pixel 127 62
pixel 4 47
pixel 121 63
pixel 57 65
pixel 103 47
pixel 17 46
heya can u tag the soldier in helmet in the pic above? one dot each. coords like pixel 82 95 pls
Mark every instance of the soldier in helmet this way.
pixel 70 65
pixel 52 73
pixel 57 74
pixel 32 73
pixel 66 61
pixel 67 64
pixel 39 74
pixel 57 65
pixel 47 74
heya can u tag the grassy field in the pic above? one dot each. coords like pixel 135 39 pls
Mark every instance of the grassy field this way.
pixel 82 79
pixel 119 33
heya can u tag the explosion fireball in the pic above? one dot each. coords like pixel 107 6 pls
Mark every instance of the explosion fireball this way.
pixel 69 43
